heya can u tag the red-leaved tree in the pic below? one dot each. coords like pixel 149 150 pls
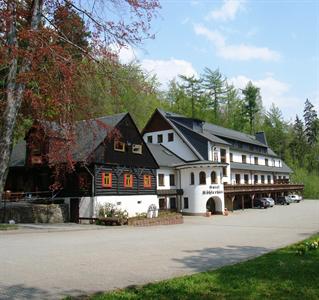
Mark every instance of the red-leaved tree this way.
pixel 43 44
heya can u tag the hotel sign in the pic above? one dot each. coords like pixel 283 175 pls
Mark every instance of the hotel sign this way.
pixel 213 190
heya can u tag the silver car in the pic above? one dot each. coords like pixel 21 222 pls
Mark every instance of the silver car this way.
pixel 271 201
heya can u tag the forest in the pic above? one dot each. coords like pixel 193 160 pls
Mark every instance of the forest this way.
pixel 92 83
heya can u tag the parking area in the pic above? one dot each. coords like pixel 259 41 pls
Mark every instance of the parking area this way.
pixel 44 264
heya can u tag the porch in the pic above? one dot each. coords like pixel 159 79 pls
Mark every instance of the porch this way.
pixel 241 196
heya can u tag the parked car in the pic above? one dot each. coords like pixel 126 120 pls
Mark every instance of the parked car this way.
pixel 283 200
pixel 271 201
pixel 295 198
pixel 261 203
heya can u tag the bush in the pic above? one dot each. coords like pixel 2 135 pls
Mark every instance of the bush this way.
pixel 109 210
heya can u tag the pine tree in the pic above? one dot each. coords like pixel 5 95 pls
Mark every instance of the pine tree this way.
pixel 311 123
pixel 251 106
pixel 215 86
pixel 297 145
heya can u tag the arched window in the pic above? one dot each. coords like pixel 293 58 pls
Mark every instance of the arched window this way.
pixel 213 178
pixel 202 177
pixel 192 179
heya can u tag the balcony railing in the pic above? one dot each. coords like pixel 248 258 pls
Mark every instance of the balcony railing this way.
pixel 261 188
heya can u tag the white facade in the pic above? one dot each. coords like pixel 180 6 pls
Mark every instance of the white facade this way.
pixel 176 146
pixel 133 204
pixel 198 194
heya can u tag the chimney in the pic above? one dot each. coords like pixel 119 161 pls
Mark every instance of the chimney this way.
pixel 261 137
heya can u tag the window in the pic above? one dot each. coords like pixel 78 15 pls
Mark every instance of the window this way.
pixel 215 154
pixel 262 178
pixel 107 180
pixel 244 159
pixel 128 180
pixel 255 179
pixel 186 204
pixel 266 161
pixel 160 138
pixel 224 171
pixel 147 179
pixel 137 148
pixel 223 155
pixel 246 178
pixel 231 157
pixel 202 177
pixel 237 178
pixel 150 139
pixel 192 179
pixel 256 160
pixel 119 146
pixel 213 177
pixel 171 179
pixel 269 179
pixel 161 179
pixel 172 203
pixel 170 137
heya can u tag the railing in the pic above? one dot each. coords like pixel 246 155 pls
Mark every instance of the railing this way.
pixel 241 188
pixel 29 196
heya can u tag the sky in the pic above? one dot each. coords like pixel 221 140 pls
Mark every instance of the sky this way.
pixel 275 44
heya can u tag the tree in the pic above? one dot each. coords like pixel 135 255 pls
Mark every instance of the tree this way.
pixel 31 36
pixel 192 88
pixel 215 86
pixel 276 131
pixel 251 105
pixel 311 123
pixel 298 143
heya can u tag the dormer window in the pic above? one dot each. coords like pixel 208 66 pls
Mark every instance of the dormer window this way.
pixel 119 146
pixel 137 148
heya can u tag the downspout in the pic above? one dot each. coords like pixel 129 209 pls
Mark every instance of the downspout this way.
pixel 92 191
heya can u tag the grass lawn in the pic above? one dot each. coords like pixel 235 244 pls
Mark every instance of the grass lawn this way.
pixel 281 274
pixel 8 226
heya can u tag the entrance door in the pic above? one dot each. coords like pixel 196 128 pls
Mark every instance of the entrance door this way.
pixel 74 210
pixel 172 203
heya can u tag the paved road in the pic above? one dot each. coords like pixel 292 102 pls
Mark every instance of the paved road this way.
pixel 48 265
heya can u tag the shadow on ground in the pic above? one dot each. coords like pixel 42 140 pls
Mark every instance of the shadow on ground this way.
pixel 20 291
pixel 211 258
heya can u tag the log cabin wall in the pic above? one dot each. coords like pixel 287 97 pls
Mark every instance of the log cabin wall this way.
pixel 118 176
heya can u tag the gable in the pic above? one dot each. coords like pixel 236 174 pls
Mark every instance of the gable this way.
pixel 128 133
pixel 156 123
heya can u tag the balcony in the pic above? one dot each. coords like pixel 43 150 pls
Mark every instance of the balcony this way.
pixel 230 189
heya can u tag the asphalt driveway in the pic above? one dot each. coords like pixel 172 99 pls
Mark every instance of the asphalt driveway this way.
pixel 40 264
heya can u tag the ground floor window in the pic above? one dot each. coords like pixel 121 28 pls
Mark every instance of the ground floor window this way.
pixel 172 203
pixel 186 205
pixel 162 203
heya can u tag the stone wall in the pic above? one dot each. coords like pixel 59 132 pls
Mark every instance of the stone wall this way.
pixel 34 213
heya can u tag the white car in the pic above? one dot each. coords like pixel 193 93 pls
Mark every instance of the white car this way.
pixel 271 201
pixel 295 198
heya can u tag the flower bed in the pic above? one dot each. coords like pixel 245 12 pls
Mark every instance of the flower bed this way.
pixel 165 218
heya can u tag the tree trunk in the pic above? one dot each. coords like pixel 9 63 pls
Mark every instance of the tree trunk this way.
pixel 14 90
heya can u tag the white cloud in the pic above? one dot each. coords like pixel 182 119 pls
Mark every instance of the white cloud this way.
pixel 235 52
pixel 126 54
pixel 227 11
pixel 168 69
pixel 273 91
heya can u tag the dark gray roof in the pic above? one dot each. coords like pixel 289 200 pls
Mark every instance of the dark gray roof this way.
pixel 202 162
pixel 252 167
pixel 205 134
pixel 89 135
pixel 18 154
pixel 231 134
pixel 163 156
